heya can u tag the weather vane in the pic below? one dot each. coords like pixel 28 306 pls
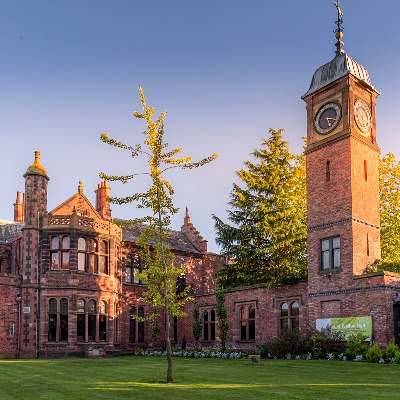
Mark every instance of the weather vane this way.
pixel 339 30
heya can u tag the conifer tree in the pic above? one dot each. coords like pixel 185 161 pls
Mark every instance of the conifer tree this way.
pixel 266 240
pixel 161 274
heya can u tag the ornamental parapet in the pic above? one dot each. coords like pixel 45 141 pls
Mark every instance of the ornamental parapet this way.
pixel 81 223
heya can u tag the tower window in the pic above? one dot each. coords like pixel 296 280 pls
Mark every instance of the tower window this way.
pixel 365 171
pixel 330 253
pixel 328 171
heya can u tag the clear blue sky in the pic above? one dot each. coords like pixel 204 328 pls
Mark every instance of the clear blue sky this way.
pixel 225 71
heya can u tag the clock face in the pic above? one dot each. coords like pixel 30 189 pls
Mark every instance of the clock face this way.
pixel 327 117
pixel 362 115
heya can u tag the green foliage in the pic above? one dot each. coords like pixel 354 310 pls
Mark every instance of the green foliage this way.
pixel 161 274
pixel 356 345
pixel 266 242
pixel 302 343
pixel 155 329
pixel 222 315
pixel 391 349
pixel 374 354
pixel 197 323
pixel 389 191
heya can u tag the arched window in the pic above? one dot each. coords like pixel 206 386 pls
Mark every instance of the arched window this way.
pixel 102 320
pixel 91 321
pixel 59 253
pixel 128 269
pixel 133 266
pixel 81 323
pixel 92 256
pixel 81 254
pixel 140 325
pixel 103 257
pixel 52 333
pixel 136 328
pixel 247 322
pixel 209 324
pixel 132 324
pixel 63 319
pixel 290 312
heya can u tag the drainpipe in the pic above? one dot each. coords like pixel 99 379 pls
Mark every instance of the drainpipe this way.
pixel 18 300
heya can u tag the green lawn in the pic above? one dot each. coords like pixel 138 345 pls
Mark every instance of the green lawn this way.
pixel 134 377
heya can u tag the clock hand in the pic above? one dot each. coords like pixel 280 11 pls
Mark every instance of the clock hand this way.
pixel 328 120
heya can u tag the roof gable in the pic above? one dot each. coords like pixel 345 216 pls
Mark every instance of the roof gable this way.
pixel 78 203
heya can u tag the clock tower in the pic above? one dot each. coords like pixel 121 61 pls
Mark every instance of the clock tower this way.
pixel 342 173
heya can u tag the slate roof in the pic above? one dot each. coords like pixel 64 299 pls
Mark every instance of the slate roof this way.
pixel 340 66
pixel 177 240
pixel 9 230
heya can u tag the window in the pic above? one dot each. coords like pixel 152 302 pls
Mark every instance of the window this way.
pixel 93 256
pixel 209 325
pixel 328 171
pixel 133 268
pixel 365 171
pixel 102 320
pixel 330 253
pixel 11 329
pixel 91 320
pixel 289 316
pixel 58 321
pixel 136 328
pixel 247 322
pixel 174 328
pixel 59 253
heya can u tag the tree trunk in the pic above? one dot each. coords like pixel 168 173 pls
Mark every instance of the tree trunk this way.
pixel 168 345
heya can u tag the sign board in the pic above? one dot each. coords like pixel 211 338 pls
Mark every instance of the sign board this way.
pixel 26 310
pixel 346 326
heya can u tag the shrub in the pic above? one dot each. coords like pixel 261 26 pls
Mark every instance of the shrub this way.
pixel 391 350
pixel 397 357
pixel 356 346
pixel 263 351
pixel 374 354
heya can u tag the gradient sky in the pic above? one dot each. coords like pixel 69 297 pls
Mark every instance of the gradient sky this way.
pixel 225 71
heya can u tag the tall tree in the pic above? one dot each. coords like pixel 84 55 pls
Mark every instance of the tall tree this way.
pixel 266 240
pixel 389 191
pixel 161 274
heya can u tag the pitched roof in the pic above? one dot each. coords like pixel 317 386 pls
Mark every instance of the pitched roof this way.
pixel 9 230
pixel 177 240
pixel 78 201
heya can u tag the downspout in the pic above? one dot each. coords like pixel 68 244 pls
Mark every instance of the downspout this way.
pixel 18 300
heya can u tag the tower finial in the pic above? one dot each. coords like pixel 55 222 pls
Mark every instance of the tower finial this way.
pixel 339 30
pixel 80 188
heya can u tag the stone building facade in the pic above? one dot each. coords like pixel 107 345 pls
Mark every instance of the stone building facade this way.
pixel 68 277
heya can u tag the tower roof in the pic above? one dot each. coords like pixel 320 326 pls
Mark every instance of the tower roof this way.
pixel 340 66
pixel 36 168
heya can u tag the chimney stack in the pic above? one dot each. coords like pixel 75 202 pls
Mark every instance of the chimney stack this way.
pixel 19 208
pixel 102 205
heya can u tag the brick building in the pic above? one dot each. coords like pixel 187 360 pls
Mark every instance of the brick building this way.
pixel 68 277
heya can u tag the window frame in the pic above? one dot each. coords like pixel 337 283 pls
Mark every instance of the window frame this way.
pixel 330 253
pixel 208 330
pixel 57 320
pixel 134 266
pixel 136 328
pixel 93 256
pixel 291 319
pixel 93 319
pixel 60 252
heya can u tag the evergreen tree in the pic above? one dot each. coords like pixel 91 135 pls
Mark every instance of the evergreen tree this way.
pixel 161 274
pixel 266 241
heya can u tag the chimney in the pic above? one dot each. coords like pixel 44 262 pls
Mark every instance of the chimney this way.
pixel 102 205
pixel 19 208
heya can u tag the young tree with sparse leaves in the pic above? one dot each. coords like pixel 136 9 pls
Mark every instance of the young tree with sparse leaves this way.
pixel 161 274
pixel 266 239
pixel 389 192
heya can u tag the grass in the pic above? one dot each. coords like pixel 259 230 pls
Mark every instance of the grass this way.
pixel 134 377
